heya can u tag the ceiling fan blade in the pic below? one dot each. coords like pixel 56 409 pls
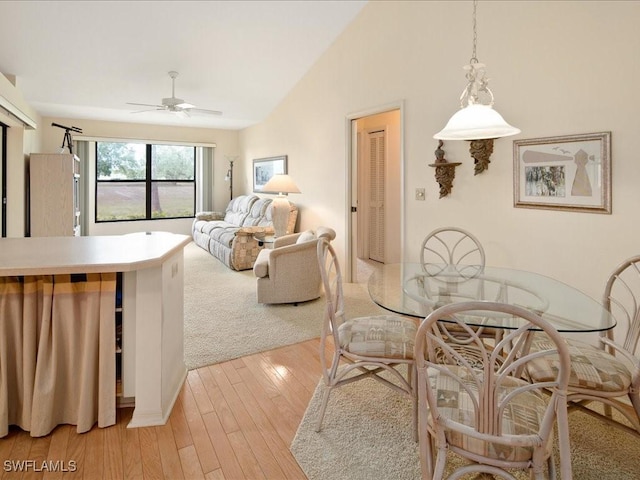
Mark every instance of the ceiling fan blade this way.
pixel 150 110
pixel 145 105
pixel 204 110
pixel 174 105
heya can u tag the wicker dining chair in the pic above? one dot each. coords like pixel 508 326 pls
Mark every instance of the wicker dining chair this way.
pixel 457 256
pixel 482 410
pixel 452 247
pixel 363 347
pixel 609 373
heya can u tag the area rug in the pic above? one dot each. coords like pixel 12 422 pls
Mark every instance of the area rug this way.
pixel 367 434
pixel 223 320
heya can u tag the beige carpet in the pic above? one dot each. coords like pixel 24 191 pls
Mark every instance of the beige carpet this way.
pixel 223 321
pixel 367 435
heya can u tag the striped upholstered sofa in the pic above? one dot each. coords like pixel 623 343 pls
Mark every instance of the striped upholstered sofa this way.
pixel 229 235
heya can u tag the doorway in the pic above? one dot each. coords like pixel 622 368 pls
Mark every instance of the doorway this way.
pixel 376 221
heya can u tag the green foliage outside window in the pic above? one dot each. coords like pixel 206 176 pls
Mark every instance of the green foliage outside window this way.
pixel 137 181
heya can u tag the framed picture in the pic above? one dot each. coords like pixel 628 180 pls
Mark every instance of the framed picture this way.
pixel 265 168
pixel 570 173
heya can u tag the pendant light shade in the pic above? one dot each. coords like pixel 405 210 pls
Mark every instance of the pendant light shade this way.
pixel 476 119
pixel 476 122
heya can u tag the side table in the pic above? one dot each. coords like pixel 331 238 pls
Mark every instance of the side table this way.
pixel 265 241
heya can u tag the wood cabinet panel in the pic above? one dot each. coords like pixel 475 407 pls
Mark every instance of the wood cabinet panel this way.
pixel 54 203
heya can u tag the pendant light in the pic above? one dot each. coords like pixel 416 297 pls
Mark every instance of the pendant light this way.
pixel 476 120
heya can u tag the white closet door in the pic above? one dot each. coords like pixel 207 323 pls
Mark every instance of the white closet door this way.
pixel 377 154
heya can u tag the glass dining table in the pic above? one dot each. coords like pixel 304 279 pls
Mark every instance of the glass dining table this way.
pixel 413 289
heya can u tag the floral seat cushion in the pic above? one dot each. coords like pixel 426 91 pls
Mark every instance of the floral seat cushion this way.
pixel 522 416
pixel 388 336
pixel 591 367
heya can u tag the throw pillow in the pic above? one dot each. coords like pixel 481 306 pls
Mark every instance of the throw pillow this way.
pixel 306 236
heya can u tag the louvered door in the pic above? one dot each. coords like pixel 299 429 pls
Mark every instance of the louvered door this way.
pixel 376 144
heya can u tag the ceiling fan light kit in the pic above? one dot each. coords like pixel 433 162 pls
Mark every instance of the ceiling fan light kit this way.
pixel 173 104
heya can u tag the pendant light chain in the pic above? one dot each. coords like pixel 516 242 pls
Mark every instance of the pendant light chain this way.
pixel 475 73
pixel 474 58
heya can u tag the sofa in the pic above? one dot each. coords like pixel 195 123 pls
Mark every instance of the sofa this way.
pixel 231 236
pixel 289 273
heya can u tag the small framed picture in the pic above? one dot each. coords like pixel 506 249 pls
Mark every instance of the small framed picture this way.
pixel 265 168
pixel 571 173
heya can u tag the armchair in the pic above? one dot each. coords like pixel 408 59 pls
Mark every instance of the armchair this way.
pixel 289 272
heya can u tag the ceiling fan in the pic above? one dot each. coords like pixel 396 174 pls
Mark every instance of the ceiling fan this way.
pixel 173 104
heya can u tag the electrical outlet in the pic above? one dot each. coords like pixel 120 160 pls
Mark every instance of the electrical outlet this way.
pixel 420 194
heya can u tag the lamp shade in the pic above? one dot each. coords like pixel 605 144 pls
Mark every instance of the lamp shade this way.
pixel 281 183
pixel 476 122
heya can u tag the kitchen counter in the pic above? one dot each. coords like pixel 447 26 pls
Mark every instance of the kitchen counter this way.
pixel 153 368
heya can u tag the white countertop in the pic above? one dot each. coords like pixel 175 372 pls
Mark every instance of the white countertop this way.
pixel 113 253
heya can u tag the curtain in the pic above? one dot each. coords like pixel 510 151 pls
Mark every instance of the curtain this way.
pixel 205 196
pixel 57 352
pixel 83 151
pixel 17 355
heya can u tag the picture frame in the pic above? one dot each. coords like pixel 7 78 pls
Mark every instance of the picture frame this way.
pixel 265 168
pixel 570 173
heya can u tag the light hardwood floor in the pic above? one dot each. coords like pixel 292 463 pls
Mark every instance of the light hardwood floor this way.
pixel 234 420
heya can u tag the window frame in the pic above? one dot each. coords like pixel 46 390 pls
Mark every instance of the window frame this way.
pixel 147 181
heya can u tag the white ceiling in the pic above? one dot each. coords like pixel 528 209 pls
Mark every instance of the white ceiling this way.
pixel 87 59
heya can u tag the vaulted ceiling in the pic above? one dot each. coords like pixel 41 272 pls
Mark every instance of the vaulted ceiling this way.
pixel 87 59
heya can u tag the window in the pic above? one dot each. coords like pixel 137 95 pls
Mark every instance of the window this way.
pixel 138 181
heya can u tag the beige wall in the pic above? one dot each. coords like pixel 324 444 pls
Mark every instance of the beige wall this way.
pixel 556 68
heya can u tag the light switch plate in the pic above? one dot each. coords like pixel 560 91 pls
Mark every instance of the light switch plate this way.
pixel 420 194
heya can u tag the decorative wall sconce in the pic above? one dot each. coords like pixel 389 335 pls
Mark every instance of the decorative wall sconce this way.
pixel 481 150
pixel 476 120
pixel 445 171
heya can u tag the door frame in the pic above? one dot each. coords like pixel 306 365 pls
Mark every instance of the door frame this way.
pixel 3 180
pixel 351 160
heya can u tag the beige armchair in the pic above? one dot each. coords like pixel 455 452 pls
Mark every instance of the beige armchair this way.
pixel 289 272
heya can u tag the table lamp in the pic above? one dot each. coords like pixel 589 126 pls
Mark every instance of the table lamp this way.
pixel 283 184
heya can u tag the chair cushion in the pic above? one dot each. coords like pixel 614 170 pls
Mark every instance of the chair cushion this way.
pixel 257 213
pixel 591 367
pixel 522 416
pixel 239 208
pixel 267 219
pixel 306 236
pixel 388 336
pixel 221 232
